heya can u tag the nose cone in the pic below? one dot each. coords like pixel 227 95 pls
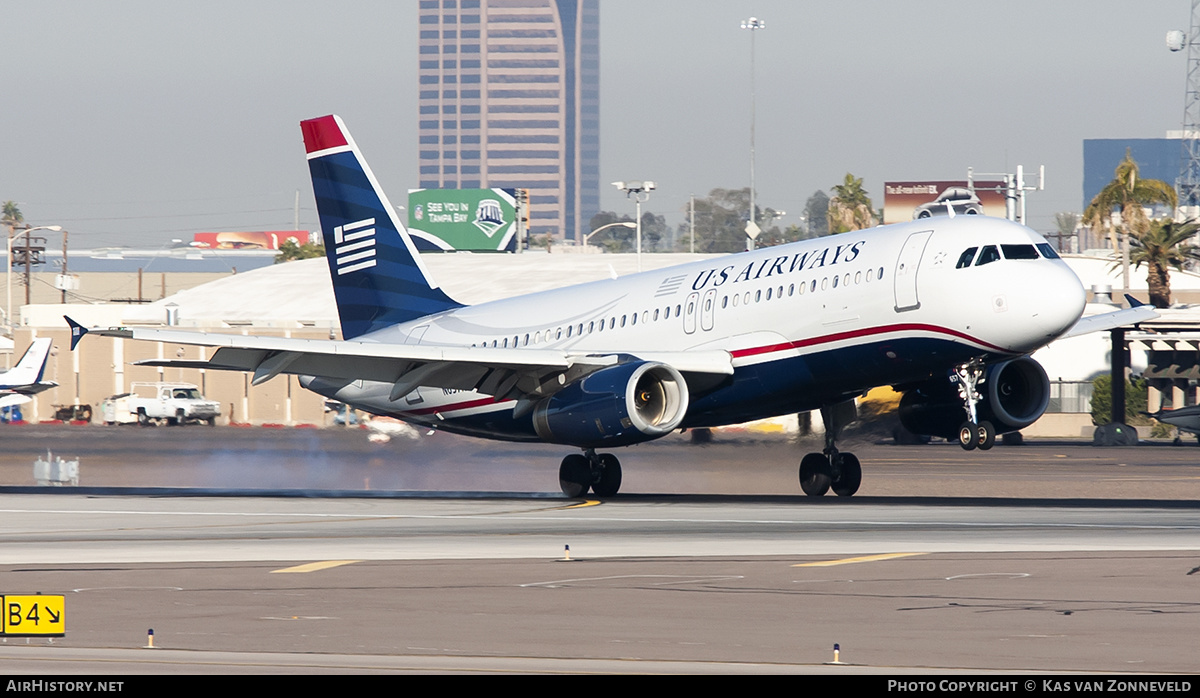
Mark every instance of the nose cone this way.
pixel 1053 300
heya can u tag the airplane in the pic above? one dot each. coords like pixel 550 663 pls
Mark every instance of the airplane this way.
pixel 1185 419
pixel 944 309
pixel 25 379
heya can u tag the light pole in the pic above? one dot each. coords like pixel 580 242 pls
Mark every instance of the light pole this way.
pixel 8 260
pixel 752 229
pixel 640 191
pixel 622 224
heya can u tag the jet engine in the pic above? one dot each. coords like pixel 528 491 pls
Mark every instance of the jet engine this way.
pixel 615 406
pixel 1015 394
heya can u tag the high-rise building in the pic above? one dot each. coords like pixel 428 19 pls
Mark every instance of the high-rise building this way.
pixel 510 97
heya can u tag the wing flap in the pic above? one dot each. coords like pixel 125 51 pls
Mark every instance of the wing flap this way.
pixel 512 373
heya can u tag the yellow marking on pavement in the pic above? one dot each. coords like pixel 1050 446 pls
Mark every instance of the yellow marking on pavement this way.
pixel 315 566
pixel 585 503
pixel 853 560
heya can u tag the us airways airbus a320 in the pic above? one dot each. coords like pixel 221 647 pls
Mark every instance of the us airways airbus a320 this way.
pixel 945 309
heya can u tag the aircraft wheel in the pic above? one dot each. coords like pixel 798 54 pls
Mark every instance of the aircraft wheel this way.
pixel 574 475
pixel 814 475
pixel 610 476
pixel 851 477
pixel 968 436
pixel 987 435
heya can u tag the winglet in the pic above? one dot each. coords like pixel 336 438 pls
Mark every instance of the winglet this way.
pixel 77 331
pixel 1133 302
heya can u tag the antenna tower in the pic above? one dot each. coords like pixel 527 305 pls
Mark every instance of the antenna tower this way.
pixel 1188 185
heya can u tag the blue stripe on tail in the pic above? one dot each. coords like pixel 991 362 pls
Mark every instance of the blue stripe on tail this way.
pixel 378 280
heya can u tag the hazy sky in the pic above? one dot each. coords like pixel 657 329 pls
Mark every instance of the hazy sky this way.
pixel 135 122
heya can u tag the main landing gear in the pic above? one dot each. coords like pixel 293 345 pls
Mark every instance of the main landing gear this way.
pixel 973 433
pixel 579 472
pixel 831 468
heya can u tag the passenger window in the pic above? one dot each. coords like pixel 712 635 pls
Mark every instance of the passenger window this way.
pixel 1047 251
pixel 964 260
pixel 1019 252
pixel 988 255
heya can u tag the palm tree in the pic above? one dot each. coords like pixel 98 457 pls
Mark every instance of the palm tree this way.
pixel 1164 245
pixel 850 208
pixel 11 216
pixel 1129 194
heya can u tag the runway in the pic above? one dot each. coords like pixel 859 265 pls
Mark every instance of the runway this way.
pixel 905 580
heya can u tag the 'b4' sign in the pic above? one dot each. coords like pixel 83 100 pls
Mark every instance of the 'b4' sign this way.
pixel 34 615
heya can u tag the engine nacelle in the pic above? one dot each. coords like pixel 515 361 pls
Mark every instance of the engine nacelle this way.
pixel 1015 394
pixel 615 406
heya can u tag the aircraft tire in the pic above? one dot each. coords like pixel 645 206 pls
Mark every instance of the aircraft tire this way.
pixel 987 435
pixel 574 475
pixel 851 477
pixel 968 436
pixel 609 481
pixel 814 475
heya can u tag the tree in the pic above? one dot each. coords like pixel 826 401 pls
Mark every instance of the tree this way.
pixel 623 239
pixel 721 222
pixel 816 211
pixel 1135 401
pixel 1164 245
pixel 290 250
pixel 12 217
pixel 1065 221
pixel 850 208
pixel 1129 194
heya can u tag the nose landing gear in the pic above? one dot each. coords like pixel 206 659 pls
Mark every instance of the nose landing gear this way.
pixel 973 433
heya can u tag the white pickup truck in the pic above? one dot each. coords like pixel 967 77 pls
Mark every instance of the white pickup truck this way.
pixel 173 403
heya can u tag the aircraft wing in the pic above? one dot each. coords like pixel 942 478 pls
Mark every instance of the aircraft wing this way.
pixel 1108 321
pixel 508 373
pixel 13 399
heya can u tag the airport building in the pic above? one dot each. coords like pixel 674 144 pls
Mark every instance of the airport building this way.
pixel 509 97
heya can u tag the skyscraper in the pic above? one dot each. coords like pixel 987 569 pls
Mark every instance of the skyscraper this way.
pixel 509 97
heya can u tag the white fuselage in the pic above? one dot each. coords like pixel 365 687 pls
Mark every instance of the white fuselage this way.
pixel 805 323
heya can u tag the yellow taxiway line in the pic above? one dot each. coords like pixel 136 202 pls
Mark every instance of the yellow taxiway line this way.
pixel 314 566
pixel 853 560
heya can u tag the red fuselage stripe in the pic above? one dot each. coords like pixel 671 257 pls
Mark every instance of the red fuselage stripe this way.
pixel 865 332
pixel 754 351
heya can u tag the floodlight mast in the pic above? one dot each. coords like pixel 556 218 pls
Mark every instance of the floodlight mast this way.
pixel 640 191
pixel 752 229
pixel 1187 186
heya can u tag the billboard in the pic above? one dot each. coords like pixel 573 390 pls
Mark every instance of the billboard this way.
pixel 905 201
pixel 464 219
pixel 248 240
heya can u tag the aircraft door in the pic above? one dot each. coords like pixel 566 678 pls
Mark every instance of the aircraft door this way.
pixel 905 275
pixel 691 308
pixel 708 308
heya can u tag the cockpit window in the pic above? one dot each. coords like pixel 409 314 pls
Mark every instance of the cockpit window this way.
pixel 988 255
pixel 1047 251
pixel 1019 252
pixel 964 260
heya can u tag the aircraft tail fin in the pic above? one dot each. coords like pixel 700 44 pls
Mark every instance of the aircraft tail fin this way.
pixel 29 370
pixel 378 277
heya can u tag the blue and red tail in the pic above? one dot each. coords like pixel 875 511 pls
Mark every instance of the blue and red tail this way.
pixel 378 277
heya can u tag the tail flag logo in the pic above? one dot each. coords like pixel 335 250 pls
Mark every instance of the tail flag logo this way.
pixel 354 246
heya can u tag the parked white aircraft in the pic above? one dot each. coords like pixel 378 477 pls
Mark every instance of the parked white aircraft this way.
pixel 945 309
pixel 25 379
